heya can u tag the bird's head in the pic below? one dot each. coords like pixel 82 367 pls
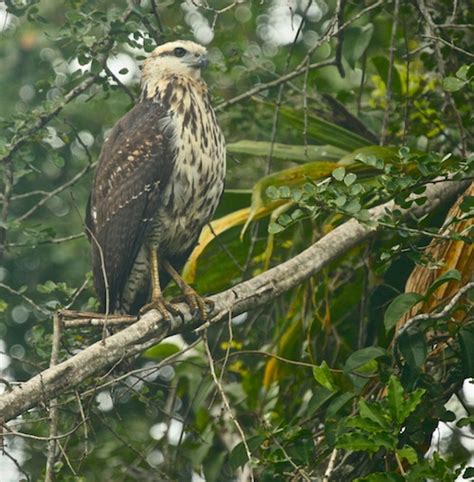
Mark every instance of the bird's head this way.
pixel 181 57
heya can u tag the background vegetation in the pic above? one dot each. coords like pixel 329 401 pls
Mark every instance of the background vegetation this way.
pixel 329 108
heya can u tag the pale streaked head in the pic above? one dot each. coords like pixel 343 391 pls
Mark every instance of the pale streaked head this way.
pixel 181 57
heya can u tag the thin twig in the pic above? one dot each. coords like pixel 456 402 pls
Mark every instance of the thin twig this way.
pixel 25 298
pixel 58 190
pixel 47 241
pixel 227 406
pixel 6 200
pixel 8 431
pixel 42 120
pixel 449 44
pixel 83 418
pixel 120 84
pixel 391 67
pixel 53 407
pixel 298 469
pixel 434 316
pixel 330 467
pixel 301 68
pixel 432 32
pixel 17 464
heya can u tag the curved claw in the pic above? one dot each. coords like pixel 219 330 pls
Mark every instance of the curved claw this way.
pixel 164 307
pixel 197 304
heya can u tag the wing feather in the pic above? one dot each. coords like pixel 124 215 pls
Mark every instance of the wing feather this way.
pixel 134 166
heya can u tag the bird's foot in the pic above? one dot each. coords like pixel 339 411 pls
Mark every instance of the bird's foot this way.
pixel 164 307
pixel 197 304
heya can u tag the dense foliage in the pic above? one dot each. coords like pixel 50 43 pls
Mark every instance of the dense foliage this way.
pixel 329 108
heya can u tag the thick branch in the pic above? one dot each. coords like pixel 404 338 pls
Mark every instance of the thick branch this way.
pixel 151 329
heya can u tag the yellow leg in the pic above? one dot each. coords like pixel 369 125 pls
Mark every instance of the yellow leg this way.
pixel 156 293
pixel 195 302
pixel 157 301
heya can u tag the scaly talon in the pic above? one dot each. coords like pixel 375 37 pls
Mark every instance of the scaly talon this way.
pixel 196 303
pixel 165 308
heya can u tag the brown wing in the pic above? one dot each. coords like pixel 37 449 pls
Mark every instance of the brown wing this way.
pixel 134 166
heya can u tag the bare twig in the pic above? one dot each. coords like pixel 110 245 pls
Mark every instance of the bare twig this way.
pixel 120 84
pixel 48 241
pixel 391 67
pixel 301 68
pixel 227 406
pixel 42 120
pixel 53 407
pixel 25 298
pixel 17 464
pixel 58 190
pixel 432 28
pixel 340 36
pixel 449 44
pixel 434 316
pixel 330 467
pixel 6 199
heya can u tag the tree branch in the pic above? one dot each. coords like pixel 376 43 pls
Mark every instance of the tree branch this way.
pixel 151 328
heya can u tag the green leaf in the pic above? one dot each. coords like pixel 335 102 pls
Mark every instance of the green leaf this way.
pixel 447 416
pixel 338 403
pixel 381 477
pixel 275 228
pixel 451 275
pixel 464 421
pixel 325 132
pixel 353 206
pixel 262 204
pixel 47 287
pixel 322 374
pixel 400 408
pixel 466 344
pixel 288 152
pixel 467 204
pixel 365 424
pixel 395 398
pixel 350 178
pixel 340 201
pixel 382 64
pixel 468 473
pixel 160 351
pixel 356 41
pixel 3 306
pixel 238 456
pixel 357 442
pixel 374 156
pixel 365 442
pixel 398 307
pixel 453 84
pixel 409 454
pixel 374 412
pixel 461 73
pixel 363 356
pixel 339 173
pixel 320 396
pixel 413 348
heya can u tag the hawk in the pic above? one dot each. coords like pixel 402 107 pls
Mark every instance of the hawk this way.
pixel 159 179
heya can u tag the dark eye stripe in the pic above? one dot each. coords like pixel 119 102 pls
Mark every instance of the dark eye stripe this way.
pixel 172 53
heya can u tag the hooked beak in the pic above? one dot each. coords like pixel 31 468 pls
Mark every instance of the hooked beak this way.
pixel 202 61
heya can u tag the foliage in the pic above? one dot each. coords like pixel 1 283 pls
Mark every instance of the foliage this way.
pixel 374 106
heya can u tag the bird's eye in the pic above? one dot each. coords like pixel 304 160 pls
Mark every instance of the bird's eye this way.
pixel 179 52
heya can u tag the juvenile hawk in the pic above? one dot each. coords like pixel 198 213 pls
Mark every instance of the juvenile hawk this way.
pixel 159 179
